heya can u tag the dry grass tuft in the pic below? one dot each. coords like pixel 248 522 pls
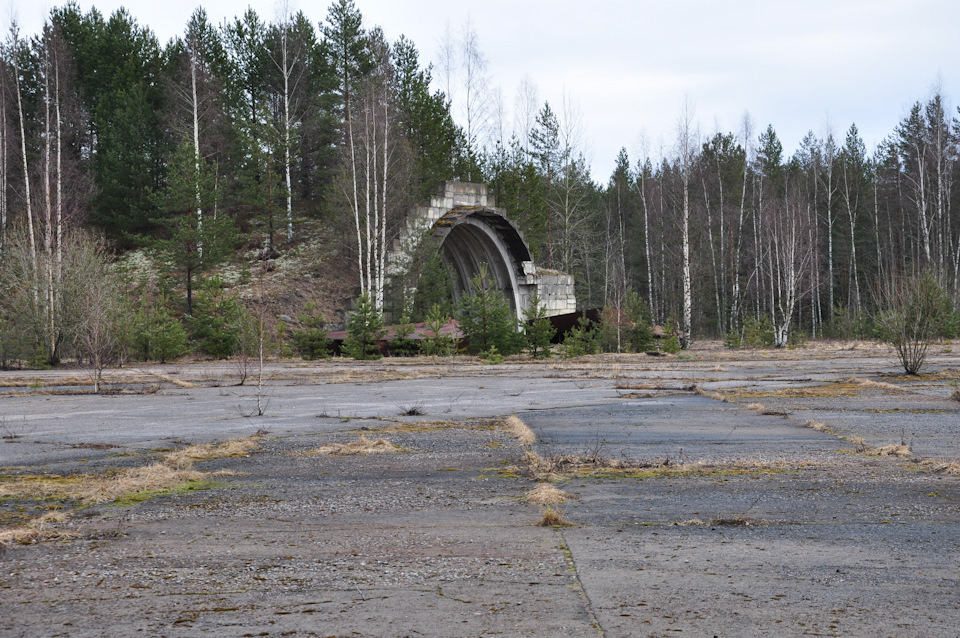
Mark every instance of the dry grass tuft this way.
pixel 956 394
pixel 762 409
pixel 553 518
pixel 37 530
pixel 129 484
pixel 547 494
pixel 890 450
pixel 693 522
pixel 184 459
pixel 816 425
pixel 88 489
pixel 175 381
pixel 561 466
pixel 950 468
pixel 520 430
pixel 860 444
pixel 716 396
pixel 879 385
pixel 436 425
pixel 363 445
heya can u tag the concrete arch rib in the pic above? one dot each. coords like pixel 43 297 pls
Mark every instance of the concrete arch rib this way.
pixel 470 237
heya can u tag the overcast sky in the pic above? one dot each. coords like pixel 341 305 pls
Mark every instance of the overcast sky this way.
pixel 799 65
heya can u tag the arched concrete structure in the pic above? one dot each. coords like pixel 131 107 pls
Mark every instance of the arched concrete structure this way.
pixel 470 232
pixel 472 236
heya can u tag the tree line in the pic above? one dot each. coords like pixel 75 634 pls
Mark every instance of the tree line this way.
pixel 239 132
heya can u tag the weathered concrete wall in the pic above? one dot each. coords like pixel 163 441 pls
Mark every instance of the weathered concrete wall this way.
pixel 471 231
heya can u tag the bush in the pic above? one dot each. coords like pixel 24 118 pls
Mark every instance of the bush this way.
pixel 402 345
pixel 157 334
pixel 758 334
pixel 915 311
pixel 364 331
pixel 628 328
pixel 491 356
pixel 311 343
pixel 670 345
pixel 732 340
pixel 215 326
pixel 846 324
pixel 581 339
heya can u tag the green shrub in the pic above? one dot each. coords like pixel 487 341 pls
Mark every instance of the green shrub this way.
pixel 487 319
pixel 581 339
pixel 364 331
pixel 402 345
pixel 311 342
pixel 491 356
pixel 628 328
pixel 215 326
pixel 157 334
pixel 670 345
pixel 846 324
pixel 435 343
pixel 758 334
pixel 916 311
pixel 732 340
pixel 539 331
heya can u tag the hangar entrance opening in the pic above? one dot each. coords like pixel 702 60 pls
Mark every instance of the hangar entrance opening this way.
pixel 471 232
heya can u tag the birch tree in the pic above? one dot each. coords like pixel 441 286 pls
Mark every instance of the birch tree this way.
pixel 855 171
pixel 289 53
pixel 687 135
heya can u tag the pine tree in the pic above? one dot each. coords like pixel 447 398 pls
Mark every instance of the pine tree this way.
pixel 539 331
pixel 486 319
pixel 364 331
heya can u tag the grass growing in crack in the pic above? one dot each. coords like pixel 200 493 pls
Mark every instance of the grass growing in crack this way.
pixel 129 500
pixel 415 409
pixel 547 494
pixel 520 431
pixel 363 445
pixel 124 487
pixel 819 427
pixel 716 396
pixel 561 466
pixel 553 518
pixel 950 468
pixel 37 530
pixel 767 411
pixel 205 451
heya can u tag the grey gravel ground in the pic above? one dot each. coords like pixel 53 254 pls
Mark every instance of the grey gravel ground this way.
pixel 437 541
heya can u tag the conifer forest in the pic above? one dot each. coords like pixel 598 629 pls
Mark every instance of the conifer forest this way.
pixel 255 134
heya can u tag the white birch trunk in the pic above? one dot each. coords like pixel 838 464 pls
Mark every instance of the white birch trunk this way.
pixel 23 155
pixel 196 145
pixel 48 208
